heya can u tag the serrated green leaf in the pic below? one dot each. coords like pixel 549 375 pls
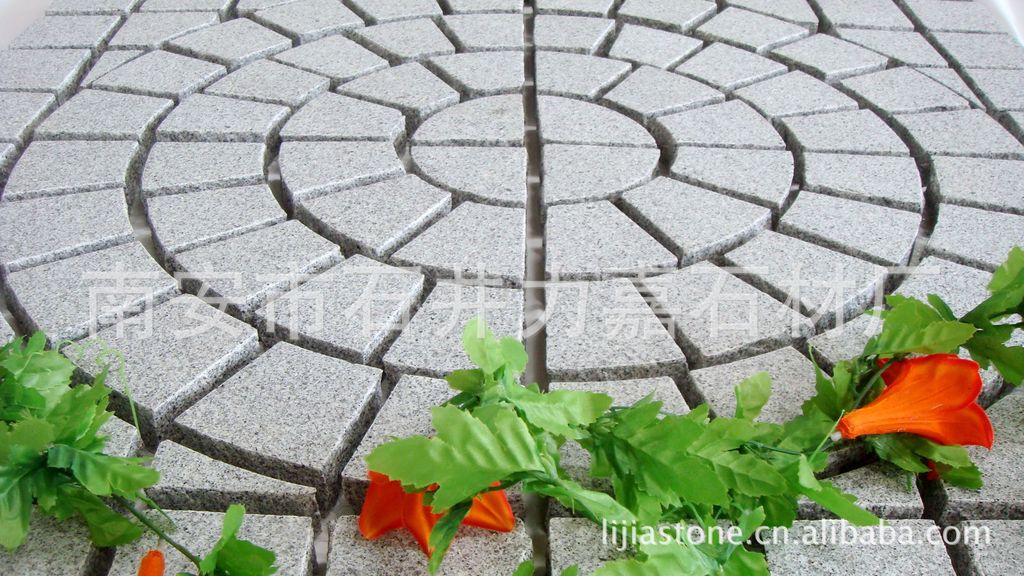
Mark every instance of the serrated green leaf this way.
pixel 590 503
pixel 514 354
pixel 573 570
pixel 897 448
pixel 743 562
pixel 481 346
pixel 805 474
pixel 466 380
pixel 1008 360
pixel 524 569
pixel 106 527
pixel 841 504
pixel 15 505
pixel 561 412
pixel 912 326
pixel 752 394
pixel 444 532
pixel 660 560
pixel 103 475
pixel 941 307
pixel 748 474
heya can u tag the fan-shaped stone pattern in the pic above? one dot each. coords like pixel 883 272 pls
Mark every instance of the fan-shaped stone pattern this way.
pixel 732 124
pixel 207 118
pixel 585 173
pixel 566 121
pixel 161 73
pixel 970 50
pixel 490 121
pixel 649 93
pixel 481 73
pixel 876 14
pixel 489 175
pixel 903 47
pixel 646 46
pixel 220 6
pixel 308 20
pixel 851 132
pixel 980 183
pixel 174 167
pixel 272 83
pixel 727 68
pixel 335 117
pixel 794 94
pixel 602 8
pixel 763 177
pixel 960 133
pixel 965 235
pixel 405 40
pixel 152 30
pixel 410 88
pixel 795 11
pixel 750 31
pixel 792 377
pixel 580 75
pixel 336 57
pixel 485 32
pixel 571 33
pixel 887 180
pixel 378 11
pixel 312 169
pixel 904 90
pixel 54 71
pixel 56 31
pixel 22 112
pixel 101 115
pixel 830 58
pixel 233 43
pixel 85 166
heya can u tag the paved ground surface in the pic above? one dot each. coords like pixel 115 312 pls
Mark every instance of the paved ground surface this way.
pixel 282 212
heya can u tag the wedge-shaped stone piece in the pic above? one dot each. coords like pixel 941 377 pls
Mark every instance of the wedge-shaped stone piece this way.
pixel 335 117
pixel 234 43
pixel 567 121
pixel 490 175
pixel 22 111
pixel 205 118
pixel 750 30
pixel 650 92
pixel 174 167
pixel 961 133
pixel 336 57
pixel 980 183
pixel 727 67
pixel 490 121
pixel 54 31
pixel 83 166
pixel 763 177
pixel 647 46
pixel 965 235
pixel 564 74
pixel 308 20
pixel 675 15
pixel 581 173
pixel 889 181
pixel 152 30
pixel 411 88
pixel 830 58
pixel 903 47
pixel 904 90
pixel 101 115
pixel 477 32
pixel 161 74
pixel 571 33
pixel 270 82
pixel 311 169
pixel 732 124
pixel 792 376
pixel 405 40
pixel 878 14
pixel 794 94
pixel 481 73
pixel 851 132
pixel 55 71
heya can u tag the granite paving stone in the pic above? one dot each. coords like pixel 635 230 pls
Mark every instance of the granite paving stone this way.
pixel 731 124
pixel 6 332
pixel 108 61
pixel 606 331
pixel 999 555
pixel 818 282
pixel 1015 122
pixel 411 88
pixel 792 377
pixel 565 74
pixel 247 7
pixel 151 30
pixel 206 118
pixel 222 7
pixel 763 177
pixel 311 169
pixel 830 58
pixel 377 218
pixel 67 32
pixel 480 174
pixel 568 121
pixel 162 74
pixel 581 173
pixel 85 166
pixel 967 17
pixel 673 15
pixel 485 32
pixel 650 92
pixel 335 117
pixel 871 232
pixel 102 115
pixel 430 345
pixel 8 154
pixel 969 50
pixel 473 241
pixel 175 353
pixel 964 235
pixel 174 167
pixel 481 73
pixel 54 71
pixel 750 30
pixel 47 229
pixel 876 14
pixel 185 485
pixel 254 420
pixel 904 90
pixel 887 180
pixel 718 318
pixel 578 542
pixel 378 11
pixel 405 40
pixel 601 8
pixel 241 278
pixel 122 437
pixel 350 311
pixel 595 240
pixel 571 33
pixel 794 94
pixel 91 6
pixel 336 57
pixel 795 11
pixel 1000 89
pixel 307 20
pixel 648 46
pixel 488 121
pixel 952 80
pixel 69 298
pixel 901 46
pixel 483 6
pixel 849 132
pixel 21 112
pixel 75 557
pixel 270 82
pixel 233 43
pixel 961 287
pixel 184 221
pixel 727 68
pixel 881 488
pixel 960 133
pixel 980 183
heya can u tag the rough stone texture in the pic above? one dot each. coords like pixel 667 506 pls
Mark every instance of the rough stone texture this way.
pixel 247 7
pixel 241 279
pixel 693 222
pixel 473 241
pixel 718 318
pixel 881 488
pixel 311 169
pixel 254 419
pixel 476 6
pixel 818 282
pixel 595 240
pixel 965 235
pixel 567 121
pixel 184 221
pixel 335 117
pixel 108 61
pixel 222 7
pixel 763 177
pixel 904 90
pixel 207 118
pixel 336 57
pixel 968 50
pixel 750 30
pixel 792 377
pixel 476 32
pixel 185 485
pixel 66 32
pixel 272 83
pixel 563 74
pixel 54 71
pixel 479 174
pixel 91 6
pixel 233 43
pixel 880 14
pixel 377 218
pixel 673 15
pixel 830 58
pixel 732 124
pixel 489 121
pixel 74 557
pixel 967 17
pixel 794 94
pixel 578 541
pixel 890 181
pixel 600 8
pixel 481 73
pixel 650 92
pixel 795 11
pixel 1000 89
pixel 411 88
pixel 582 173
pixel 1000 555
pixel 68 298
pixel 388 10
pixel 85 166
pixel 980 183
pixel 950 79
pixel 961 133
pixel 853 132
pixel 151 30
pixel 658 48
pixel 903 47
pixel 22 111
pixel 606 331
pixel 431 343
pixel 174 167
pixel 6 332
pixel 101 115
pixel 122 437
pixel 727 68
pixel 162 74
pixel 308 20
pixel 349 311
pixel 405 40
pixel 47 229
pixel 571 33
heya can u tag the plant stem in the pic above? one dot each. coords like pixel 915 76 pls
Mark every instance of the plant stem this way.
pixel 130 506
pixel 871 383
pixel 764 446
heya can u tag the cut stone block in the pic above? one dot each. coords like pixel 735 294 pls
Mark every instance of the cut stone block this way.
pixel 718 318
pixel 602 8
pixel 830 58
pixel 980 183
pixel 673 15
pixel 349 312
pixel 650 92
pixel 479 174
pixel 732 124
pixel 476 6
pixel 904 47
pixel 816 281
pixel 1000 89
pixel 579 542
pixel 314 433
pixel 567 121
pixel 122 438
pixel 571 33
pixel 55 71
pixel 564 74
pixel 594 240
pixel 881 488
pixel 22 111
pixel 840 224
pixel 335 117
pixel 795 11
pixel 233 43
pixel 70 298
pixel 969 50
pixel 174 354
pixel 999 555
pixel 174 167
pixel 489 121
pixel 727 68
pixel 66 32
pixel 852 132
pixel 473 241
pixel 47 229
pixel 207 118
pixel 242 273
pixel 887 180
pixel 222 7
pixel 39 557
pixel 8 154
pixel 290 537
pixel 6 332
pixel 152 30
pixel 336 57
pixel 750 30
pixel 84 166
pixel 184 221
pixel 377 11
pixel 606 331
pixel 272 83
pixel 794 94
pixel 481 73
pixel 485 32
pixel 102 115
pixel 430 344
pixel 308 20
pixel 904 90
pixel 311 169
pixel 406 40
pixel 377 218
pixel 185 484
pixel 967 17
pixel 91 6
pixel 247 7
pixel 658 48
pixel 586 173
pixel 162 74
pixel 965 235
pixel 411 88
pixel 878 14
pixel 108 61
pixel 792 377
pixel 950 79
pixel 961 133
pixel 763 177
pixel 961 287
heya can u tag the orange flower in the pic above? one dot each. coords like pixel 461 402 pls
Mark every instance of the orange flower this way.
pixel 152 564
pixel 932 396
pixel 388 507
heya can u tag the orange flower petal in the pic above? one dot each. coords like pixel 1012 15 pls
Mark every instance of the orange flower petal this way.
pixel 152 564
pixel 382 509
pixel 491 511
pixel 418 520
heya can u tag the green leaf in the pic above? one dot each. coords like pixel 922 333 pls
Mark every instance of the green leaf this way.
pixel 752 394
pixel 748 474
pixel 481 346
pixel 233 557
pixel 941 307
pixel 805 474
pixel 444 532
pixel 466 380
pixel 1008 360
pixel 560 412
pixel 841 504
pixel 101 474
pixel 525 569
pixel 514 354
pixel 106 527
pixel 1010 272
pixel 671 558
pixel 897 448
pixel 573 570
pixel 743 562
pixel 593 504
pixel 912 326
pixel 15 505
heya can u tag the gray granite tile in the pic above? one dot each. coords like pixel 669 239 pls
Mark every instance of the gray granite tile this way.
pixel 233 43
pixel 481 73
pixel 727 68
pixel 122 437
pixel 578 34
pixel 488 121
pixel 794 11
pixel 904 90
pixel 162 74
pixel 794 94
pixel 980 183
pixel 568 121
pixel 310 169
pixel 999 553
pixel 389 10
pixel 601 8
pixel 336 57
pixel 151 30
pixel 578 542
pixel 903 47
pixel 174 167
pixel 650 92
pixel 335 117
pixel 674 15
pixel 967 17
pixel 37 556
pixel 485 32
pixel 206 118
pixel 732 124
pixel 585 173
pixel 968 50
pixel 479 6
pixel 6 332
pixel 272 83
pixel 750 30
pixel 565 74
pixel 881 488
pixel 91 6
pixel 308 20
pixel 830 58
pixel 21 112
pixel 85 166
pixel 850 132
pixel 221 7
pixel 961 287
pixel 792 377
pixel 964 235
pixel 411 88
pixel 887 180
pixel 78 31
pixel 491 175
pixel 877 14
pixel 247 7
pixel 950 79
pixel 960 133
pixel 999 89
pixel 658 48
pixel 55 71
pixel 102 115
pixel 763 177
pixel 405 40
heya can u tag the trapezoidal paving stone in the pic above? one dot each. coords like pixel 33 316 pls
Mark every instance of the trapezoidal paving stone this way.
pixel 848 132
pixel 728 68
pixel 335 117
pixel 22 111
pixel 578 34
pixel 892 181
pixel 763 177
pixel 221 7
pixel 108 61
pixel 902 47
pixel 964 235
pixel 153 30
pixel 234 43
pixel 1000 89
pixel 102 115
pixel 489 175
pixel 176 167
pixel 580 542
pixel 256 420
pixel 85 166
pixel 574 173
pixel 904 90
pixel 960 133
pixel 970 50
pixel 674 15
pixel 731 124
pixel 488 121
pixel 750 31
pixel 650 92
pixel 6 332
pixel 483 6
pixel 601 8
pixel 980 183
pixel 484 32
pixel 481 73
pixel 647 46
pixel 91 6
pixel 312 169
pixel 1000 555
pixel 579 75
pixel 161 73
pixel 377 11
pixel 794 94
pixel 795 11
pixel 58 31
pixel 308 20
pixel 54 71
pixel 272 83
pixel 569 121
pixel 335 57
pixel 405 40
pixel 875 14
pixel 968 17
pixel 830 58
pixel 881 488
pixel 206 118
pixel 792 376
pixel 410 88
pixel 38 556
